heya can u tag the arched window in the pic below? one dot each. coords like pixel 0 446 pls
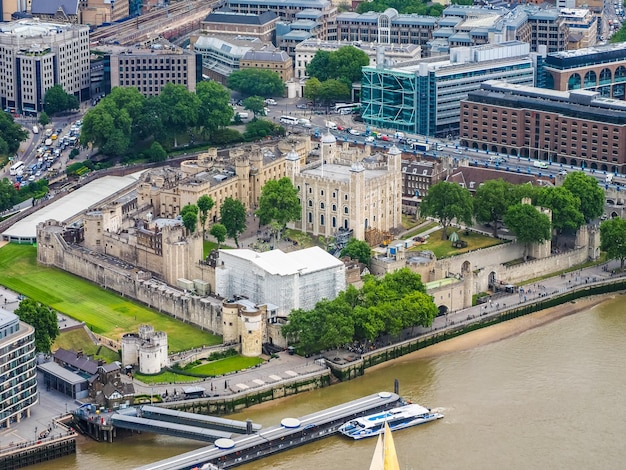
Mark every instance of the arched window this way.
pixel 574 82
pixel 321 205
pixel 310 203
pixel 334 207
pixel 590 79
pixel 321 219
pixel 345 210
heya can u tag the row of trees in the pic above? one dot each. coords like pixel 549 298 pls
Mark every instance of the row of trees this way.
pixel 126 117
pixel 11 135
pixel 56 100
pixel 251 82
pixel 577 201
pixel 419 7
pixel 381 306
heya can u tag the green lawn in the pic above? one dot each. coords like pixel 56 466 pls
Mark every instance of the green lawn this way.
pixel 165 377
pixel 443 248
pixel 229 364
pixel 103 311
pixel 419 229
pixel 79 340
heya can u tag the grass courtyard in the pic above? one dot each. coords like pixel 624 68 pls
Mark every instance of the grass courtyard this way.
pixel 79 340
pixel 103 311
pixel 444 249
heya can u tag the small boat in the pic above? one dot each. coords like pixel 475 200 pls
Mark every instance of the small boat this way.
pixel 385 456
pixel 397 418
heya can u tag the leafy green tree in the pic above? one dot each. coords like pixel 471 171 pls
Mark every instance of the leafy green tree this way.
pixel 312 89
pixel 156 153
pixel 566 214
pixel 261 128
pixel 8 194
pixel 233 217
pixel 218 231
pixel 347 62
pixel 256 104
pixel 587 189
pixel 73 154
pixel 357 249
pixel 491 201
pixel 447 201
pixel 215 111
pixel 108 128
pixel 189 214
pixel 57 100
pixel 333 90
pixel 148 123
pixel 320 66
pixel 613 239
pixel 11 134
pixel 205 204
pixel 44 119
pixel 179 109
pixel 256 82
pixel 418 7
pixel 279 202
pixel 528 224
pixel 42 319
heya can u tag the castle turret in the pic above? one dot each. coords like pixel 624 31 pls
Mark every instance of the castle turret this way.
pixel 230 326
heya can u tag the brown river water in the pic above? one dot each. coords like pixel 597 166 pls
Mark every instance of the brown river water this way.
pixel 551 397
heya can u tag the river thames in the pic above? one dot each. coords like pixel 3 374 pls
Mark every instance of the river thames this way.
pixel 549 397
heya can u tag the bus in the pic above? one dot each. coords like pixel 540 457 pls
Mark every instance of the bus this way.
pixel 16 168
pixel 420 146
pixel 347 108
pixel 292 121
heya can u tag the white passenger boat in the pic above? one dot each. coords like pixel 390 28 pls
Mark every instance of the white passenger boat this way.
pixel 397 418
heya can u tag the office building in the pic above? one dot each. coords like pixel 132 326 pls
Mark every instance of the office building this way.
pixel 577 127
pixel 598 68
pixel 261 26
pixel 582 25
pixel 18 384
pixel 274 60
pixel 424 97
pixel 149 70
pixel 36 56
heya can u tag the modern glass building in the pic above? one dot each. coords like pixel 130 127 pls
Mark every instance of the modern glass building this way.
pixel 18 376
pixel 424 97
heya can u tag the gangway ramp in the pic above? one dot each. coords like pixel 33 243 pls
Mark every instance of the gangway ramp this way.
pixel 198 420
pixel 135 423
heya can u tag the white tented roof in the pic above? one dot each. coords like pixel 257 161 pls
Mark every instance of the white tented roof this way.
pixel 279 263
pixel 68 206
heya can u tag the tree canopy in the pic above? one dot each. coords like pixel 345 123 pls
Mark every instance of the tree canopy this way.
pixel 11 134
pixel 448 201
pixel 491 201
pixel 57 100
pixel 344 65
pixel 205 204
pixel 215 110
pixel 357 249
pixel 381 306
pixel 42 319
pixel 613 239
pixel 279 202
pixel 565 207
pixel 528 224
pixel 256 82
pixel 588 191
pixel 419 7
pixel 261 128
pixel 189 214
pixel 256 104
pixel 233 217
pixel 218 231
pixel 8 194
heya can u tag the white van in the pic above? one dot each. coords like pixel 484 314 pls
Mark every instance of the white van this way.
pixel 304 122
pixel 331 125
pixel 609 178
pixel 243 115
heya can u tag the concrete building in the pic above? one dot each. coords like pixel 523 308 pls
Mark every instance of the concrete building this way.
pixel 96 12
pixel 583 27
pixel 17 366
pixel 149 70
pixel 548 28
pixel 275 60
pixel 288 11
pixel 348 189
pixel 260 26
pixel 392 55
pixel 287 281
pixel 598 68
pixel 424 97
pixel 577 127
pixel 37 56
pixel 146 350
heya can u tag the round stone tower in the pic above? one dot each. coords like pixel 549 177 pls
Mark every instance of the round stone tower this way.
pixel 251 331
pixel 230 312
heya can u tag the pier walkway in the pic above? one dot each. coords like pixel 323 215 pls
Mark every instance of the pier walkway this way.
pixel 292 432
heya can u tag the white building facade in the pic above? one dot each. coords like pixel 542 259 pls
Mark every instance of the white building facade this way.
pixel 289 281
pixel 36 56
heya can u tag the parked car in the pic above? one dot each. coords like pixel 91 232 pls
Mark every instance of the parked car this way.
pixel 301 106
pixel 354 132
pixel 369 138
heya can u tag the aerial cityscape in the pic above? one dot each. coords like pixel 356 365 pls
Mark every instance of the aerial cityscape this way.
pixel 255 233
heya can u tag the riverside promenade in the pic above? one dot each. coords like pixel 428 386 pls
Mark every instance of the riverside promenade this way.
pixel 52 404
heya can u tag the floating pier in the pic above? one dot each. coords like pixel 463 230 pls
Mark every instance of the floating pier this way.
pixel 292 432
